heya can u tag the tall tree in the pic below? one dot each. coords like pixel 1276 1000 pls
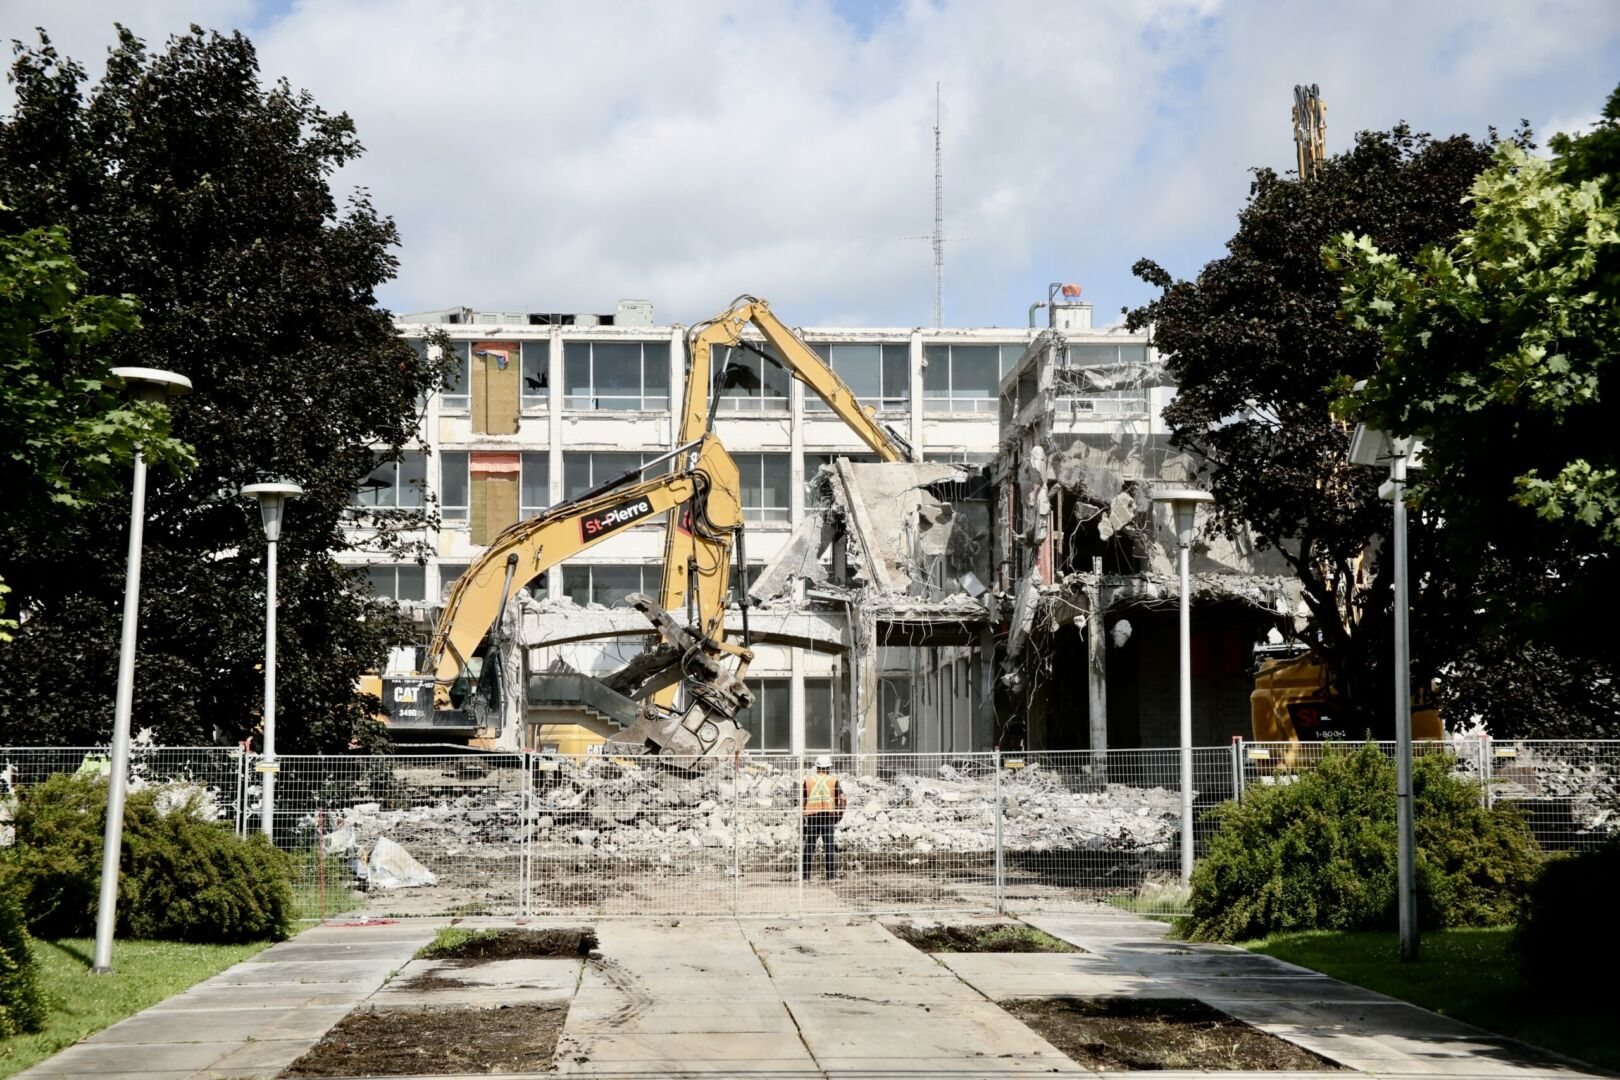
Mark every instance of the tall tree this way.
pixel 65 429
pixel 1255 341
pixel 185 182
pixel 1499 351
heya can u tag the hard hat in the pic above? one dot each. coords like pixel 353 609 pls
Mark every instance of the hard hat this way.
pixel 824 762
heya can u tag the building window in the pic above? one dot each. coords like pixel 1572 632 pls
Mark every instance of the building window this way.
pixel 818 715
pixel 608 584
pixel 740 589
pixel 448 574
pixel 535 491
pixel 536 374
pixel 880 375
pixel 1010 355
pixel 959 457
pixel 1110 354
pixel 621 376
pixel 765 480
pixel 770 718
pixel 453 485
pixel 455 388
pixel 895 713
pixel 961 378
pixel 584 470
pixel 402 583
pixel 396 484
pixel 751 383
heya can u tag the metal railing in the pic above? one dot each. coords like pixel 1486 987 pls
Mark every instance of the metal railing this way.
pixel 443 830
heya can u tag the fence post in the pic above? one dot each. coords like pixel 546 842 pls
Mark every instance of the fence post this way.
pixel 798 862
pixel 736 834
pixel 241 793
pixel 1001 863
pixel 1487 768
pixel 528 762
pixel 1237 768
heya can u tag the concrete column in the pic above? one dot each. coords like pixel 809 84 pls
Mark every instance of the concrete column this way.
pixel 1097 666
pixel 554 427
pixel 863 683
pixel 796 699
pixel 796 473
pixel 915 429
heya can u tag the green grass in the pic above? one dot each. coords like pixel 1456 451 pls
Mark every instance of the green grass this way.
pixel 144 973
pixel 1469 975
pixel 1013 933
pixel 309 903
pixel 449 938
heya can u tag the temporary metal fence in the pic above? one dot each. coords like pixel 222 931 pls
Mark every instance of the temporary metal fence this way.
pixel 444 830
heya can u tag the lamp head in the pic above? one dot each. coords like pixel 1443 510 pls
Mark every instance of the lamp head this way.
pixel 1183 503
pixel 272 502
pixel 151 384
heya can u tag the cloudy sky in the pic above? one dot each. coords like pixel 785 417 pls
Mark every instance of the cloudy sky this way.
pixel 558 156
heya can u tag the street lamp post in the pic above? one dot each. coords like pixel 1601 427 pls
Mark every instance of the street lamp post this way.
pixel 142 384
pixel 1369 446
pixel 1183 503
pixel 272 503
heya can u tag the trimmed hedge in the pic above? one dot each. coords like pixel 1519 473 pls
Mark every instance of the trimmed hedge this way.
pixel 182 878
pixel 23 1006
pixel 1560 940
pixel 1320 853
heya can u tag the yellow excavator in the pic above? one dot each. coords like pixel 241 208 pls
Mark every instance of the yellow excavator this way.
pixel 702 493
pixel 1294 701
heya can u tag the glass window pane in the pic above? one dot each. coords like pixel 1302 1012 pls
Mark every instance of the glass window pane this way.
pixel 655 372
pixel 378 488
pixel 896 374
pixel 734 371
pixel 616 371
pixel 576 582
pixel 974 370
pixel 862 367
pixel 1010 355
pixel 937 371
pixel 776 476
pixel 536 370
pixel 535 494
pixel 611 584
pixel 576 475
pixel 453 484
pixel 413 479
pixel 458 377
pixel 775 709
pixel 577 374
pixel 412 582
pixel 605 465
pixel 773 377
pixel 818 715
pixel 382 580
pixel 1093 355
pixel 1133 354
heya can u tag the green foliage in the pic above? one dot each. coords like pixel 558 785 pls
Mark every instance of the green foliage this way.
pixel 23 1006
pixel 1320 853
pixel 1254 340
pixel 1556 946
pixel 184 180
pixel 144 973
pixel 181 878
pixel 1499 352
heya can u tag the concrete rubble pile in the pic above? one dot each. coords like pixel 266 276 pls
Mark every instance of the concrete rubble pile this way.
pixel 639 811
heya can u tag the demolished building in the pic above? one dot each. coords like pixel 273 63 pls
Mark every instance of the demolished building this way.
pixel 1081 555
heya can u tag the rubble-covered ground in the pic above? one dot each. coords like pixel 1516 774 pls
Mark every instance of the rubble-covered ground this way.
pixel 644 835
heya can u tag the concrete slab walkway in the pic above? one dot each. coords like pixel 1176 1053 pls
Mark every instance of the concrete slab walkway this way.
pixel 825 998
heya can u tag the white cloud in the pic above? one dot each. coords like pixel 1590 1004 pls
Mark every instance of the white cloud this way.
pixel 557 156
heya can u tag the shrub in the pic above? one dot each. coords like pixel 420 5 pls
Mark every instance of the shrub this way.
pixel 22 999
pixel 183 878
pixel 1557 945
pixel 1320 853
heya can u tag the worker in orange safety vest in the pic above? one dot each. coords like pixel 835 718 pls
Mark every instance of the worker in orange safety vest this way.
pixel 823 805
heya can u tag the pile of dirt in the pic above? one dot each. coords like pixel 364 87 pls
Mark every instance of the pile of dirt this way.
pixel 435 1042
pixel 981 938
pixel 1133 1033
pixel 482 946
